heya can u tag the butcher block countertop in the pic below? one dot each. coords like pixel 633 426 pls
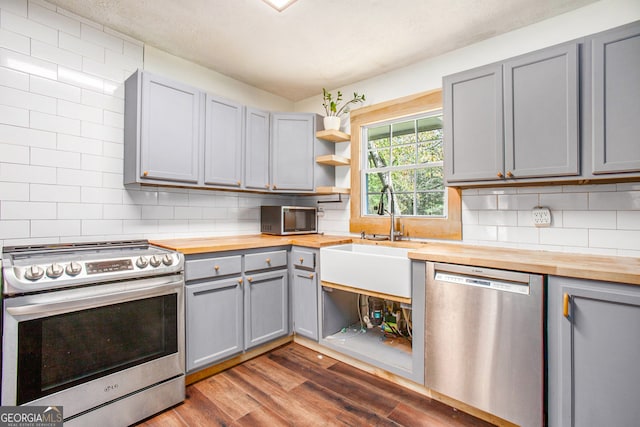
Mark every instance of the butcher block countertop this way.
pixel 594 267
pixel 200 245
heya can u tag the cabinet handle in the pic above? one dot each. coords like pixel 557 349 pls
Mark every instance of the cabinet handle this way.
pixel 216 267
pixel 499 175
pixel 301 260
pixel 240 280
pixel 565 304
pixel 310 275
pixel 249 279
pixel 268 260
pixel 145 173
pixel 509 174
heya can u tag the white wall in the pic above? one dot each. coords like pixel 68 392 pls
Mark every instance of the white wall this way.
pixel 61 136
pixel 593 219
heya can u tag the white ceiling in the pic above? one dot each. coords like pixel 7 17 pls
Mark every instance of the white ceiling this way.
pixel 313 43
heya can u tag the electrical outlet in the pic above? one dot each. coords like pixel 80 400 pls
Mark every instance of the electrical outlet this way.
pixel 541 216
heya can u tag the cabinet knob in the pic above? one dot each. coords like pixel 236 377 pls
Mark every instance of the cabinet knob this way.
pixel 301 260
pixel 274 186
pixel 240 280
pixel 239 182
pixel 267 186
pixel 145 173
pixel 499 175
pixel 268 260
pixel 509 174
pixel 216 267
pixel 249 279
pixel 310 275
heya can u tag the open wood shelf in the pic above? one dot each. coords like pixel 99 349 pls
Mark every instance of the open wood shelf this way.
pixel 332 190
pixel 333 160
pixel 333 136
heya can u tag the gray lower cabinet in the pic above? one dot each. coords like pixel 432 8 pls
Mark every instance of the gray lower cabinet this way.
pixel 512 120
pixel 162 130
pixel 223 146
pixel 257 170
pixel 266 307
pixel 305 292
pixel 214 321
pixel 615 97
pixel 593 353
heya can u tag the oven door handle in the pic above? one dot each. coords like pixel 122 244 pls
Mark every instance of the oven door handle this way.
pixel 86 300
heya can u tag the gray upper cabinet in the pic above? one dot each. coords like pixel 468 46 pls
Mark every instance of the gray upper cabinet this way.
pixel 616 100
pixel 223 146
pixel 541 93
pixel 162 130
pixel 257 156
pixel 292 142
pixel 593 353
pixel 473 137
pixel 515 119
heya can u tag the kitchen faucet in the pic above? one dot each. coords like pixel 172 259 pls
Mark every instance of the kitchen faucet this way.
pixel 389 191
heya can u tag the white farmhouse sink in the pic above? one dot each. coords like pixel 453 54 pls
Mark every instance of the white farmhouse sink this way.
pixel 375 268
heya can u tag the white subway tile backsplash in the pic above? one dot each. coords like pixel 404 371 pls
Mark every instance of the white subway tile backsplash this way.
pixel 564 236
pixel 215 213
pixel 101 195
pixel 54 193
pixel 27 27
pixel 122 212
pixel 81 47
pixel 79 145
pixel 74 110
pixel 628 220
pixel 479 202
pixel 51 18
pixel 24 136
pixel 55 89
pixel 505 190
pixel 470 217
pixel 539 190
pixel 620 200
pixel 628 186
pixel 92 35
pixel 13 229
pixel 157 212
pixel 27 210
pixel 112 180
pixel 18 7
pixel 140 197
pixel 27 100
pixel 98 131
pixel 14 41
pixel 103 101
pixel 55 158
pixel 27 173
pixel 112 119
pixel 113 149
pixel 101 226
pixel 17 191
pixel 517 201
pixel 54 54
pixel 14 79
pixel 498 218
pixel 76 176
pixel 14 116
pixel 528 235
pixel 55 228
pixel 78 18
pixel 615 239
pixel 479 232
pixel 589 219
pixel 102 163
pixel 129 61
pixel 27 64
pixel 562 201
pixel 103 70
pixel 54 123
pixel 171 198
pixel 79 211
pixel 43 3
pixel 146 227
pixel 586 188
pixel 183 212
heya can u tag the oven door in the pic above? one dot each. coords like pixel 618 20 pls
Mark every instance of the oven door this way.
pixel 84 347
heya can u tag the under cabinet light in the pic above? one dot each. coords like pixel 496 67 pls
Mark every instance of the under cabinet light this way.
pixel 279 5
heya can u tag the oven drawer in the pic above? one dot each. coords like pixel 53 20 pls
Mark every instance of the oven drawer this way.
pixel 212 267
pixel 304 259
pixel 264 260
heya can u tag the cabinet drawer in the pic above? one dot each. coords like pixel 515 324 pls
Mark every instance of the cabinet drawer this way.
pixel 304 259
pixel 212 267
pixel 264 260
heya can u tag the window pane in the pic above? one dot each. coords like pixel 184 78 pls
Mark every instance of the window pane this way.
pixel 372 204
pixel 379 136
pixel 403 180
pixel 429 179
pixel 375 182
pixel 404 204
pixel 403 155
pixel 404 132
pixel 430 151
pixel 430 204
pixel 379 158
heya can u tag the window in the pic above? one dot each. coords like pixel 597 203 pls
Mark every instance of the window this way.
pixel 399 142
pixel 405 155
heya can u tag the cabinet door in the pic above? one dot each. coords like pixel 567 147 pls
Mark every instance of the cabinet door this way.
pixel 293 136
pixel 473 139
pixel 266 313
pixel 257 158
pixel 214 321
pixel 169 132
pixel 594 378
pixel 616 100
pixel 223 142
pixel 305 303
pixel 541 113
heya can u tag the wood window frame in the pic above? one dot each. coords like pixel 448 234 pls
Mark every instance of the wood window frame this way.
pixel 436 228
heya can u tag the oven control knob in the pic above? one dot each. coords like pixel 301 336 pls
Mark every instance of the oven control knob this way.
pixel 167 259
pixel 33 273
pixel 55 270
pixel 73 269
pixel 142 262
pixel 155 261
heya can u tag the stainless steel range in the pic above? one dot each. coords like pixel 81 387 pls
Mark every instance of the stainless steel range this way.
pixel 97 328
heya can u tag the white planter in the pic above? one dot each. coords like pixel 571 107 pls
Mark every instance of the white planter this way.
pixel 332 123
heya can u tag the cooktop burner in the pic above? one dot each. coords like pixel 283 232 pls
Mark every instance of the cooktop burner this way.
pixel 37 268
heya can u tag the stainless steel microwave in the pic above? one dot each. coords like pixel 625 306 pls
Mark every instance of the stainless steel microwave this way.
pixel 283 220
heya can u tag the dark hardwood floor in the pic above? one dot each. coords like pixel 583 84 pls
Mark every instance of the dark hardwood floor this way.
pixel 295 386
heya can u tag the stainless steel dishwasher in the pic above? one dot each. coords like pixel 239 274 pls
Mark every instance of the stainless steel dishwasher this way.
pixel 485 340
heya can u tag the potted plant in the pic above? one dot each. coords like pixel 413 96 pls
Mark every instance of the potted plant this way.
pixel 335 107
